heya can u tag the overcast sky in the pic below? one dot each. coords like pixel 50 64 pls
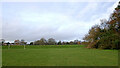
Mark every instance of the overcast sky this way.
pixel 59 20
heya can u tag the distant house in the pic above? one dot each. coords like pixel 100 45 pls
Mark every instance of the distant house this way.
pixel 78 42
pixel 4 44
pixel 22 42
pixel 16 42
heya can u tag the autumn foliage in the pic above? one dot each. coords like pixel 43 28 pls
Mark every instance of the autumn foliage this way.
pixel 107 34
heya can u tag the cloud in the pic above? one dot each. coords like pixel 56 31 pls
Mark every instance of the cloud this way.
pixel 90 7
pixel 62 21
pixel 54 25
pixel 58 0
pixel 111 9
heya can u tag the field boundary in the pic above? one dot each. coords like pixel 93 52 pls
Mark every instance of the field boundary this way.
pixel 0 56
pixel 60 67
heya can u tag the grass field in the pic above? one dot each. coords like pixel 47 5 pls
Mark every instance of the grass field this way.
pixel 60 55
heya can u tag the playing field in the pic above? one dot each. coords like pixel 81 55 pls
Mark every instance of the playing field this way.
pixel 58 55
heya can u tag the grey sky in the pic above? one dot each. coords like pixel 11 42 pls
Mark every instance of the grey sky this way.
pixel 59 20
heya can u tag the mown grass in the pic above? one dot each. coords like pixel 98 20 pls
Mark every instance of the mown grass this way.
pixel 58 55
pixel 0 56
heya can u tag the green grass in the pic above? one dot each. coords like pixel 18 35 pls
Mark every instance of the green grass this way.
pixel 0 56
pixel 60 55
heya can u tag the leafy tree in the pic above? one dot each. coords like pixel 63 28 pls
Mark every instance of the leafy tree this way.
pixel 31 43
pixel 8 43
pixel 71 42
pixel 37 42
pixel 67 43
pixel 76 41
pixel 42 41
pixel 51 41
pixel 59 43
pixel 107 34
pixel 2 41
pixel 93 36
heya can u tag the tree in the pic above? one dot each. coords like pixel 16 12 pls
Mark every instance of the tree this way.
pixel 107 34
pixel 42 41
pixel 76 41
pixel 67 43
pixel 63 43
pixel 59 43
pixel 2 41
pixel 93 34
pixel 71 42
pixel 37 42
pixel 51 41
pixel 8 43
pixel 31 43
pixel 114 20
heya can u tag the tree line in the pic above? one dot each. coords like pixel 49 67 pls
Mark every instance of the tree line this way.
pixel 42 41
pixel 52 41
pixel 107 34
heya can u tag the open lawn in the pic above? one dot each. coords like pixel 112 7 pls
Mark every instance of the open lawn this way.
pixel 58 55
